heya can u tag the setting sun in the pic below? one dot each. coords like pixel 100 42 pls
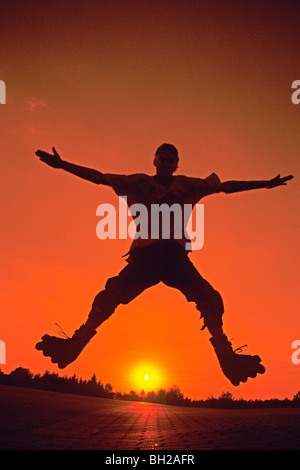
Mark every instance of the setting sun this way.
pixel 147 377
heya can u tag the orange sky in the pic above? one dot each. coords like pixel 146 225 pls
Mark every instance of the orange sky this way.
pixel 106 83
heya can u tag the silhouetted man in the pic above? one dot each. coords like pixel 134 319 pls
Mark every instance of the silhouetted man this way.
pixel 151 261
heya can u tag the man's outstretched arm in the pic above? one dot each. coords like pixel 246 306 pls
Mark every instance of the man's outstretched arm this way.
pixel 237 186
pixel 82 172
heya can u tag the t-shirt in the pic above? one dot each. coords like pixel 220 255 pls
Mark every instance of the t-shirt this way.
pixel 151 199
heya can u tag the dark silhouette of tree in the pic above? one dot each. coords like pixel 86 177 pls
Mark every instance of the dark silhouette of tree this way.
pixel 51 381
pixel 174 396
pixel 21 376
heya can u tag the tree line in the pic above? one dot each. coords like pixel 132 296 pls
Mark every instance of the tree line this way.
pixel 51 381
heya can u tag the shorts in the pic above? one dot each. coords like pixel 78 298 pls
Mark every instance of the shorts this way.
pixel 163 262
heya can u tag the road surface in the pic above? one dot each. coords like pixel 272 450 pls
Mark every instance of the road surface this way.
pixel 41 420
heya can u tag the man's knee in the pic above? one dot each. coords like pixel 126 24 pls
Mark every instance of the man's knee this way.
pixel 106 301
pixel 117 291
pixel 212 310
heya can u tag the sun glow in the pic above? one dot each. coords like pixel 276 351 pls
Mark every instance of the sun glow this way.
pixel 146 377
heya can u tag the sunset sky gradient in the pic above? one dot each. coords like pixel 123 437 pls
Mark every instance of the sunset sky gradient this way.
pixel 106 82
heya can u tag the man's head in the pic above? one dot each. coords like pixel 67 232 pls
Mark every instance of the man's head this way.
pixel 166 160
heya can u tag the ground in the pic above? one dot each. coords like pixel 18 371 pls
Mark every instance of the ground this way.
pixel 41 420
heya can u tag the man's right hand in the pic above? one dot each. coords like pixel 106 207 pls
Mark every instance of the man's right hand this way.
pixel 52 160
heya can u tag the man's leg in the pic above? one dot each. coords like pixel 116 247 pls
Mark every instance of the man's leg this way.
pixel 121 289
pixel 182 274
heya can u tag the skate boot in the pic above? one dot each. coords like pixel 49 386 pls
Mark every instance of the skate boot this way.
pixel 63 351
pixel 236 367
